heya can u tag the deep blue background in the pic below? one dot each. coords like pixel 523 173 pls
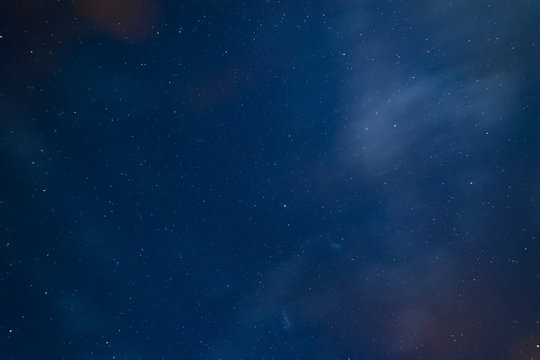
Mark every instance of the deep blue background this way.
pixel 269 180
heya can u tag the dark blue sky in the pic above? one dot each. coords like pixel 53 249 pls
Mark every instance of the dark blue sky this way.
pixel 269 180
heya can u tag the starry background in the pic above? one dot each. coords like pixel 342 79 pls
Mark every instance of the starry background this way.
pixel 269 180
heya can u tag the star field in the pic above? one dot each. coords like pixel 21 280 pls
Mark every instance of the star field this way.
pixel 220 179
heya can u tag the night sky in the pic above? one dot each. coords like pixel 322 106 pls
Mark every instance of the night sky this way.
pixel 218 179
